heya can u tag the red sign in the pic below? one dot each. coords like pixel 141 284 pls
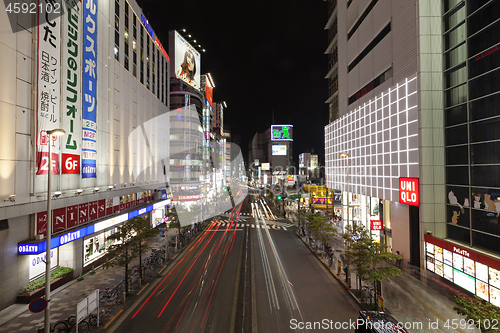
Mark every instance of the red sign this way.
pixel 58 219
pixel 101 207
pixel 376 225
pixel 41 223
pixel 72 216
pixel 42 159
pixel 93 210
pixel 84 213
pixel 408 191
pixel 485 260
pixel 70 164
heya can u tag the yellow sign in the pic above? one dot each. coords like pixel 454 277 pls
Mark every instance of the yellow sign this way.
pixel 381 303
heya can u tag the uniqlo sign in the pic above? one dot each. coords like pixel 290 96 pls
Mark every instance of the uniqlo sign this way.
pixel 408 191
pixel 376 225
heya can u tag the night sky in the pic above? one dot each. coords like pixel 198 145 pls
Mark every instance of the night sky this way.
pixel 265 57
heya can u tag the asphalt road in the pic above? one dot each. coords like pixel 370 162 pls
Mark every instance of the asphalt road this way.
pixel 246 273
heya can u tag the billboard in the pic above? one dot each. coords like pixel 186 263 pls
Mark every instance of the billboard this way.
pixel 279 150
pixel 48 92
pixel 187 61
pixel 301 160
pixel 282 132
pixel 71 116
pixel 89 90
pixel 314 161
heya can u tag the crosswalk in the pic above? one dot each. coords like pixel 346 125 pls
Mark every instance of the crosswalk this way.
pixel 240 225
pixel 241 214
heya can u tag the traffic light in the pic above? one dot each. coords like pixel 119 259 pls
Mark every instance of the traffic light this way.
pixel 278 197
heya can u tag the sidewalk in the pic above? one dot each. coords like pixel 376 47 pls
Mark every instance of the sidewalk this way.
pixel 17 317
pixel 406 297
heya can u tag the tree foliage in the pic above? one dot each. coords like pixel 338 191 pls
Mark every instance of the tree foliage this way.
pixel 368 257
pixel 320 228
pixel 484 314
pixel 127 243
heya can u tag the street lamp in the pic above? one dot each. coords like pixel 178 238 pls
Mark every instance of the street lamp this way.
pixel 56 132
pixel 347 184
pixel 348 271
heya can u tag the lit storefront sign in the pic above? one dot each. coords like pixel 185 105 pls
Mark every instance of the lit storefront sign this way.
pixel 408 191
pixel 476 273
pixel 37 263
pixel 376 225
pixel 30 248
pixel 140 211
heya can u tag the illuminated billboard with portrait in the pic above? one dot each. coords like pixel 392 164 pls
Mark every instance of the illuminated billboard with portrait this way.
pixel 187 61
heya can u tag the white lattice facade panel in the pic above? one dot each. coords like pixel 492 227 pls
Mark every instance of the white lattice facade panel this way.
pixel 378 136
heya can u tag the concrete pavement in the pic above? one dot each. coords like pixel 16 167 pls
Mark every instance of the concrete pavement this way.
pixel 18 318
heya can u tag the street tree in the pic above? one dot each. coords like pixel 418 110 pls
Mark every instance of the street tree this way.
pixel 321 229
pixel 143 230
pixel 120 249
pixel 369 257
pixel 482 313
pixel 174 219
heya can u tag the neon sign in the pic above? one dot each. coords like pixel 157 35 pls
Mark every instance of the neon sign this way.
pixel 150 31
pixel 281 132
pixel 488 52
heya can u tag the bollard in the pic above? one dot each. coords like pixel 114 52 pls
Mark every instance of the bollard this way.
pixel 124 297
pixel 92 271
pixel 80 278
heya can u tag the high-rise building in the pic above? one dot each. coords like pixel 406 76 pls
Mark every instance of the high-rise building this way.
pixel 99 72
pixel 418 124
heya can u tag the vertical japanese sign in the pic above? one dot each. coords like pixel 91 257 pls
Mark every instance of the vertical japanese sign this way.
pixel 48 87
pixel 89 89
pixel 71 111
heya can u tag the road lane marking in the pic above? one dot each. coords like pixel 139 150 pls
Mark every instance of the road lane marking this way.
pixel 106 326
pixel 145 286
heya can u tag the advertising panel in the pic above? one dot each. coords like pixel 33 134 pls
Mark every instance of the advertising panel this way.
pixel 89 90
pixel 265 166
pixel 465 268
pixel 37 263
pixel 301 160
pixel 314 161
pixel 187 62
pixel 408 191
pixel 465 281
pixel 71 116
pixel 279 149
pixel 282 132
pixel 48 88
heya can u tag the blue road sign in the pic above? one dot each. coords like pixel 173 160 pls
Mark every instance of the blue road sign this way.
pixel 38 305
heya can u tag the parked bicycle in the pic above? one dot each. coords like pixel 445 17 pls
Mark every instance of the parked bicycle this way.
pixel 69 325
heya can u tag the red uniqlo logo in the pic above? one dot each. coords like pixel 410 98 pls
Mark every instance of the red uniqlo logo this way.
pixel 408 191
pixel 376 225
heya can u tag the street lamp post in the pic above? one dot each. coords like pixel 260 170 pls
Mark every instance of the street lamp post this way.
pixel 49 230
pixel 347 192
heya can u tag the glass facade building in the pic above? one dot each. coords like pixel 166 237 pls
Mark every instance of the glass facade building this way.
pixel 471 78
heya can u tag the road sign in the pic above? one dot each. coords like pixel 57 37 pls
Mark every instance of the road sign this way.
pixel 37 305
